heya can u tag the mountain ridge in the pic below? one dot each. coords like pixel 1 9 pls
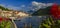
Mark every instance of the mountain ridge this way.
pixel 45 11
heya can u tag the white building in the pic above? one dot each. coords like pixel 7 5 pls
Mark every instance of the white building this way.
pixel 13 13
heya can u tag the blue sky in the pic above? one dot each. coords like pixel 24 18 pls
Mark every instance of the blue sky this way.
pixel 20 2
pixel 23 4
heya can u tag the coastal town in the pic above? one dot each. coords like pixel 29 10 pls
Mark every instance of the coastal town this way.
pixel 12 14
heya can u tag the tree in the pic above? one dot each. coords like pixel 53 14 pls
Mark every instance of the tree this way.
pixel 3 8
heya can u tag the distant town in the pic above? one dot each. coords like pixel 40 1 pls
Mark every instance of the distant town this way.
pixel 12 14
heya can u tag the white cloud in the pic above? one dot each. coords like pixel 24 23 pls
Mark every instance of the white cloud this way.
pixel 39 5
pixel 49 4
pixel 22 5
pixel 12 7
pixel 15 7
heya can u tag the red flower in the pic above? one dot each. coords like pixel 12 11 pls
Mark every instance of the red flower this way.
pixel 5 19
pixel 55 11
pixel 1 19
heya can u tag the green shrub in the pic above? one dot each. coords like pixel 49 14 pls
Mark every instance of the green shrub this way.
pixel 5 24
pixel 50 23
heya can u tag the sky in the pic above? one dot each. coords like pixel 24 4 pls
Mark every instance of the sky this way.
pixel 27 5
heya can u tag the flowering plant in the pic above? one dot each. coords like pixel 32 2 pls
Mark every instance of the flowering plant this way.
pixel 55 11
pixel 50 23
pixel 5 23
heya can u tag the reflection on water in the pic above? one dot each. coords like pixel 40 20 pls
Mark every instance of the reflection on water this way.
pixel 29 22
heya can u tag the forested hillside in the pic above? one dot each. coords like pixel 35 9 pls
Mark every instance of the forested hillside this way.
pixel 3 8
pixel 45 11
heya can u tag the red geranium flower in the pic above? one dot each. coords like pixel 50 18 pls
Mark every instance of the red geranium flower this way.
pixel 1 19
pixel 55 11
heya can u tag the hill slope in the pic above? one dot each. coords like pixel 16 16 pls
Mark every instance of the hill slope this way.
pixel 45 11
pixel 3 8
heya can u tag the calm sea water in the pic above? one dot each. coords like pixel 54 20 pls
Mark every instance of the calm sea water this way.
pixel 34 21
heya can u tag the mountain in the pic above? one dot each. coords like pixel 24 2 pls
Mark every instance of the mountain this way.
pixel 45 11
